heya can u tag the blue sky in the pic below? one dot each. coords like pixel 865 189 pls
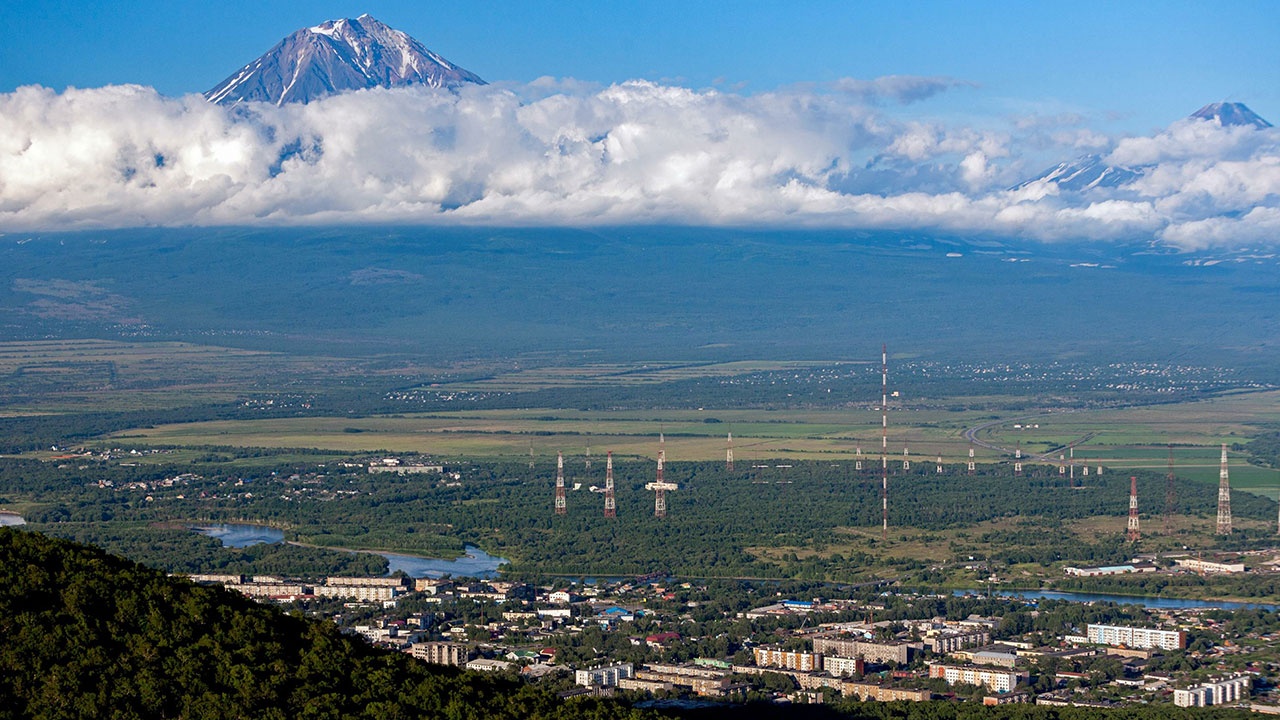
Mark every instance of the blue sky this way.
pixel 1129 66
pixel 930 116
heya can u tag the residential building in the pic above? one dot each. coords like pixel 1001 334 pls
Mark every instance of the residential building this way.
pixel 999 680
pixel 1136 637
pixel 441 653
pixel 1230 690
pixel 949 640
pixel 843 666
pixel 608 675
pixel 789 659
pixel 873 652
pixel 872 691
pixel 356 592
pixel 485 665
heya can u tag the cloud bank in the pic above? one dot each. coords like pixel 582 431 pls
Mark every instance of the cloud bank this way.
pixel 564 153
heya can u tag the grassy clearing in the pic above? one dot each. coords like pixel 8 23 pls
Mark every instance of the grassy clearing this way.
pixel 1119 439
pixel 626 374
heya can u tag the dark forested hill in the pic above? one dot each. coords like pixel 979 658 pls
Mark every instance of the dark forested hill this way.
pixel 87 634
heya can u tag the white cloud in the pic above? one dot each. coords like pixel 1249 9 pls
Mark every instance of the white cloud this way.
pixel 557 151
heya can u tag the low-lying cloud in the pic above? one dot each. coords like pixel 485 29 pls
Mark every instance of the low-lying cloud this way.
pixel 564 153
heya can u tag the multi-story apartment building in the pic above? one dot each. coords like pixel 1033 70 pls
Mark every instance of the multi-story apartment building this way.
pixel 789 659
pixel 1136 637
pixel 899 652
pixel 839 666
pixel 607 676
pixel 441 653
pixel 1215 693
pixel 871 691
pixel 942 642
pixel 998 680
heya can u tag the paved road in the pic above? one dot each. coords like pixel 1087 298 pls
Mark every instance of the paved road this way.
pixel 971 435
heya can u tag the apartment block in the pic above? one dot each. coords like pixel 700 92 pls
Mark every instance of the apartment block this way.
pixel 1136 637
pixel 998 680
pixel 1216 693
pixel 789 659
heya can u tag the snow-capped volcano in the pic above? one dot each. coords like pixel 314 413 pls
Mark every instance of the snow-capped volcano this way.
pixel 339 55
pixel 1085 173
pixel 1092 171
pixel 1230 114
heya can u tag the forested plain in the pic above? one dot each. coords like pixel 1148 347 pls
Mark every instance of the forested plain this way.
pixel 800 519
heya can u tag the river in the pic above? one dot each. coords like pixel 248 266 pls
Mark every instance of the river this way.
pixel 476 563
pixel 1147 602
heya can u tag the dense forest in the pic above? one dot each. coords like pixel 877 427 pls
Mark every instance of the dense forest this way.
pixel 86 634
pixel 717 521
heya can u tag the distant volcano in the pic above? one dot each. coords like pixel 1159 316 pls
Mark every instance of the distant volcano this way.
pixel 1230 114
pixel 336 56
pixel 1091 171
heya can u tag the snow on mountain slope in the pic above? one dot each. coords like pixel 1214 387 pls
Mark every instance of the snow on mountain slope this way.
pixel 336 56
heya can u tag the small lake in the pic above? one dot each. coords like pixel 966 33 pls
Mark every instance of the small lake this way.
pixel 475 563
pixel 11 520
pixel 1154 603
pixel 238 535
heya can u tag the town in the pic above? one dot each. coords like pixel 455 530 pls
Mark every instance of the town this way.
pixel 721 641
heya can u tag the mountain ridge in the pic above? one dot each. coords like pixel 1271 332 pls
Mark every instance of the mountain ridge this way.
pixel 338 56
pixel 1090 171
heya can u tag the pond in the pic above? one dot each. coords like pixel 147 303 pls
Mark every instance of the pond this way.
pixel 476 563
pixel 238 535
pixel 11 519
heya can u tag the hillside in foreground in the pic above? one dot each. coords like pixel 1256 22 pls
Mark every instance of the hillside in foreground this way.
pixel 87 634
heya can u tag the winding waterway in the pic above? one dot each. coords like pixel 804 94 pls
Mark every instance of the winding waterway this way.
pixel 476 563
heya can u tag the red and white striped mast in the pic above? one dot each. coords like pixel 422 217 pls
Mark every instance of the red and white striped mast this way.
pixel 610 506
pixel 562 507
pixel 884 441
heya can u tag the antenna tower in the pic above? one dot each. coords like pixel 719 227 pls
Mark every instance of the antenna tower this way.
pixel 939 464
pixel 1132 535
pixel 530 455
pixel 857 464
pixel 1017 460
pixel 588 463
pixel 728 455
pixel 610 505
pixel 1168 493
pixel 884 441
pixel 972 467
pixel 1224 496
pixel 661 486
pixel 562 508
pixel 906 459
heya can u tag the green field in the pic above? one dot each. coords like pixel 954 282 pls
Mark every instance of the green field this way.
pixel 1118 439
